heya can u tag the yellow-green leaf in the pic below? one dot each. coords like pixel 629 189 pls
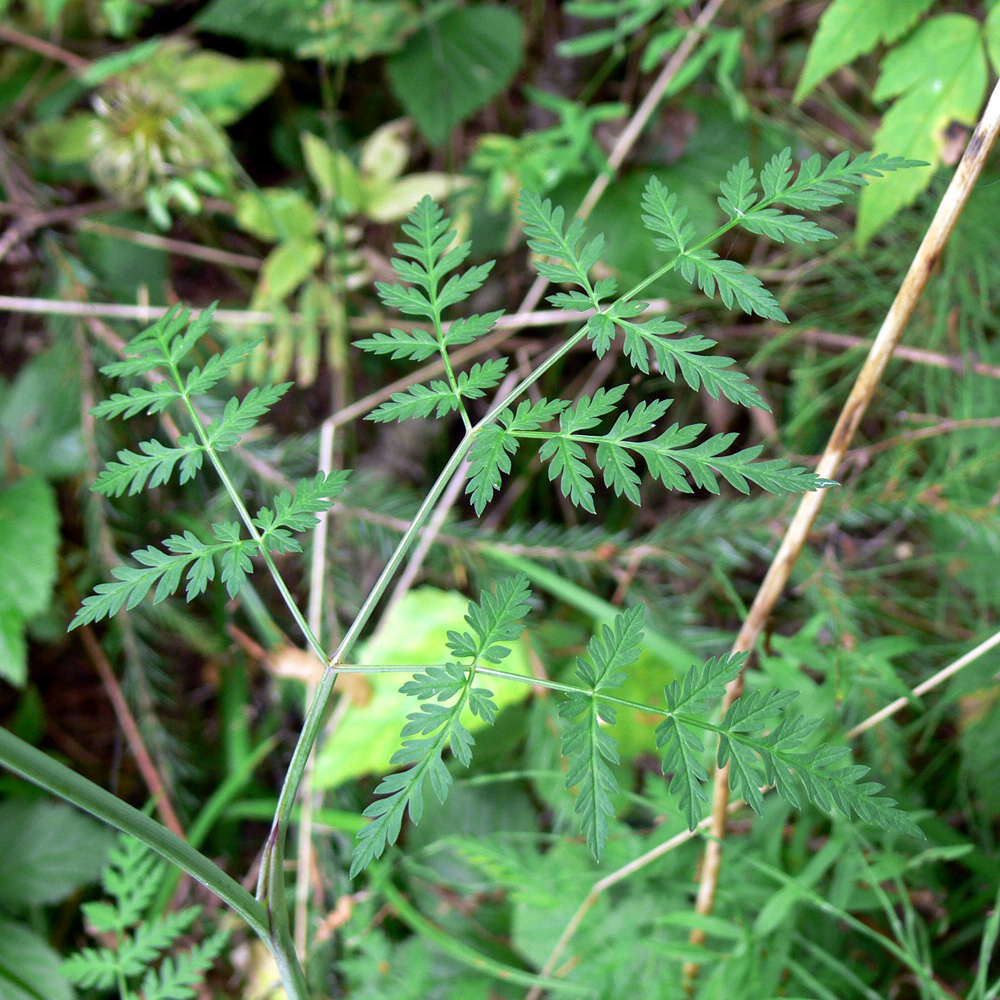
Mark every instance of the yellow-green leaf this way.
pixel 276 214
pixel 285 268
pixel 940 73
pixel 332 172
pixel 223 87
pixel 991 30
pixel 390 203
pixel 850 28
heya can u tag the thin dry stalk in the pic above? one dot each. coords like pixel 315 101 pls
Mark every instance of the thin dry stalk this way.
pixel 926 259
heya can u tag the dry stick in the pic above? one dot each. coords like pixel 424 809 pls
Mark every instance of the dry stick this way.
pixel 682 838
pixel 836 341
pixel 183 248
pixel 921 689
pixel 927 256
pixel 142 758
pixel 921 434
pixel 43 48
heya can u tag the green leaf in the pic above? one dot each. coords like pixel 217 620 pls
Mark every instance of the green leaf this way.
pixel 543 226
pixel 681 738
pixel 453 67
pixel 178 976
pixel 852 28
pixel 49 851
pixel 138 400
pixel 589 747
pixel 435 726
pixel 241 416
pixel 29 544
pixel 991 32
pixel 284 269
pixel 152 465
pixel 277 214
pixel 940 72
pixel 489 462
pixel 298 512
pixel 731 279
pixel 29 967
pixel 417 401
pixel 416 346
pixel 186 554
pixel 40 414
pixel 688 354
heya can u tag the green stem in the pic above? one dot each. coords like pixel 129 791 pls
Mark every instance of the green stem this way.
pixel 47 773
pixel 247 519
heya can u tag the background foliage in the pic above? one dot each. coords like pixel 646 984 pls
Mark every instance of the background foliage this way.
pixel 263 154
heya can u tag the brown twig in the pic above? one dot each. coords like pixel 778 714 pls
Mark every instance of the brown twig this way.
pixel 43 48
pixel 31 219
pixel 131 730
pixel 183 248
pixel 926 259
pixel 838 341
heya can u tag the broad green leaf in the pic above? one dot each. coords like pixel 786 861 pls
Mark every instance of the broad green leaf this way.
pixel 285 268
pixel 991 30
pixel 49 851
pixel 417 633
pixel 13 648
pixel 29 967
pixel 40 414
pixel 29 542
pixel 940 73
pixel 65 140
pixel 451 68
pixel 851 28
pixel 278 24
pixel 389 203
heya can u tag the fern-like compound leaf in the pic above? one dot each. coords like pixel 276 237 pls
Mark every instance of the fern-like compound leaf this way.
pixel 242 415
pixel 162 344
pixel 688 354
pixel 418 401
pixel 730 280
pixel 738 194
pixel 153 465
pixel 141 940
pixel 137 400
pixel 543 226
pixel 489 462
pixel 436 726
pixel 185 555
pixel 469 328
pixel 219 366
pixel 297 512
pixel 178 977
pixel 418 345
pixel 663 215
pixel 681 735
pixel 587 745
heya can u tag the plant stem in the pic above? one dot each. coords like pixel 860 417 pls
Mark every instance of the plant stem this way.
pixel 247 519
pixel 42 770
